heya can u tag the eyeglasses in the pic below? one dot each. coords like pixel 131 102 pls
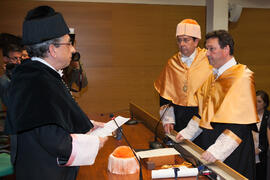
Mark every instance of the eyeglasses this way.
pixel 15 58
pixel 185 40
pixel 59 44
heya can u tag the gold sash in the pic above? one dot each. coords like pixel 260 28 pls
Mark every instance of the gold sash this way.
pixel 179 83
pixel 229 99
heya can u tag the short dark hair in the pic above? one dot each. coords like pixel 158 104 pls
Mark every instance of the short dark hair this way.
pixel 224 39
pixel 6 38
pixel 11 48
pixel 264 97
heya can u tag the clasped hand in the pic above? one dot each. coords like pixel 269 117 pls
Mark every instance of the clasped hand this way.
pixel 102 140
pixel 206 155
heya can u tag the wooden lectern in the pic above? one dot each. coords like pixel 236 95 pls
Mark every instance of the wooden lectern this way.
pixel 186 148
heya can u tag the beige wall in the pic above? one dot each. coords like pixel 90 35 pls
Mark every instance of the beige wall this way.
pixel 125 46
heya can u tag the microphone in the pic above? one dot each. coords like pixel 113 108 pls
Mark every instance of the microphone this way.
pixel 132 121
pixel 140 165
pixel 155 144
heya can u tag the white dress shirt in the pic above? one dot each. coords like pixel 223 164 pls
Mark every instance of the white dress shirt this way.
pixel 224 67
pixel 189 59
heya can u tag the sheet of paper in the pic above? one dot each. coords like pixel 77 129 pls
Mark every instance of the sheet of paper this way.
pixel 157 152
pixel 109 127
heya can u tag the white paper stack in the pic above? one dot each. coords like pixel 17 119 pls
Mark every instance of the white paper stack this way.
pixel 157 152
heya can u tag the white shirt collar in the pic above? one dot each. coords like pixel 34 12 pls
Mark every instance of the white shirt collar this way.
pixel 189 59
pixel 224 67
pixel 60 72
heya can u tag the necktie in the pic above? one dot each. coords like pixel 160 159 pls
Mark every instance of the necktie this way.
pixel 215 72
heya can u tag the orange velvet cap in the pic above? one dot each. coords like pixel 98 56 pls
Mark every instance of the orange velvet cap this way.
pixel 189 27
pixel 123 152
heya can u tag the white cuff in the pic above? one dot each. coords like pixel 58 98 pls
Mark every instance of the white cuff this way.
pixel 84 150
pixel 168 117
pixel 191 131
pixel 224 146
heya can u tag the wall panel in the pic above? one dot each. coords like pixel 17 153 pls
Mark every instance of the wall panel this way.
pixel 123 46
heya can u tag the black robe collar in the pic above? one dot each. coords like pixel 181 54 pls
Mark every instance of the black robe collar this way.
pixel 37 96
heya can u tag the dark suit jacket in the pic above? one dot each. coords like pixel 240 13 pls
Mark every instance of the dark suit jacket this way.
pixel 263 142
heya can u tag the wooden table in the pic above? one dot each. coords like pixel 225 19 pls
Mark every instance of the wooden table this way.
pixel 138 136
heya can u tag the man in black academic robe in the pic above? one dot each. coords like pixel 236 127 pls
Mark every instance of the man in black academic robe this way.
pixel 51 135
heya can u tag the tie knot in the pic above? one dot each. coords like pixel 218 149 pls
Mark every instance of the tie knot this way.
pixel 215 72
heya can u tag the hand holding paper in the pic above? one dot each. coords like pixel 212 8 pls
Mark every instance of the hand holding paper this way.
pixel 96 125
pixel 109 127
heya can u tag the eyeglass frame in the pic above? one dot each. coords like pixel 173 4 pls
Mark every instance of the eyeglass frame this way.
pixel 59 44
pixel 15 58
pixel 185 40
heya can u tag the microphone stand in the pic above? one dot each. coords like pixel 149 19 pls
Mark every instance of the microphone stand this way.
pixel 140 165
pixel 132 121
pixel 155 144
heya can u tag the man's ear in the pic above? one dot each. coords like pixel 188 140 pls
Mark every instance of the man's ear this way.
pixel 197 41
pixel 52 50
pixel 226 50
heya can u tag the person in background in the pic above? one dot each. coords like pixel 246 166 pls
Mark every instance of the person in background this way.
pixel 2 108
pixel 74 75
pixel 12 56
pixel 51 135
pixel 260 135
pixel 24 54
pixel 11 50
pixel 184 73
pixel 227 107
pixel 268 150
